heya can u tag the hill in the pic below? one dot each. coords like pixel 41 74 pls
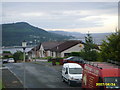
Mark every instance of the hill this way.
pixel 97 37
pixel 14 33
pixel 66 33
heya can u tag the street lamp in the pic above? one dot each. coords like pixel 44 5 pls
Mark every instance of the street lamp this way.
pixel 24 44
pixel 35 50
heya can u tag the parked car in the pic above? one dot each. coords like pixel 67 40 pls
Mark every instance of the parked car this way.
pixel 72 73
pixel 67 59
pixel 11 60
pixel 5 61
pixel 74 59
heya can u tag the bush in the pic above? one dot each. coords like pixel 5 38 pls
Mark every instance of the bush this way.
pixel 46 58
pixel 90 56
pixel 75 54
pixel 18 55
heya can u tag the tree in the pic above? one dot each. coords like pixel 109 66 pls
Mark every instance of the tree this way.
pixel 110 48
pixel 18 55
pixel 88 52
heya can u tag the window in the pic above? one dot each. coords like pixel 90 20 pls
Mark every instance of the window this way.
pixel 66 69
pixel 75 70
pixel 63 69
pixel 115 80
pixel 66 54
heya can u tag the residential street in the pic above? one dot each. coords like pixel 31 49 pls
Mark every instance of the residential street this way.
pixel 38 75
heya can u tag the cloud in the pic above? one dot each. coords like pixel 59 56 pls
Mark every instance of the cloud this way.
pixel 60 1
pixel 80 16
pixel 33 14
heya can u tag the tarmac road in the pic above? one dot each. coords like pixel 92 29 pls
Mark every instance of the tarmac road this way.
pixel 37 75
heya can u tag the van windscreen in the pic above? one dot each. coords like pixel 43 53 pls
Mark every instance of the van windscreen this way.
pixel 75 70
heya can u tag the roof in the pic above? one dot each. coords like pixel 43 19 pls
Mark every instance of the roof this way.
pixel 66 45
pixel 112 72
pixel 72 65
pixel 46 45
pixel 35 48
pixel 30 51
pixel 107 69
pixel 56 46
pixel 50 45
pixel 105 65
pixel 6 54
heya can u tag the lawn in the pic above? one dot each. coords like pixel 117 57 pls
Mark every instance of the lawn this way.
pixel 56 62
pixel 1 86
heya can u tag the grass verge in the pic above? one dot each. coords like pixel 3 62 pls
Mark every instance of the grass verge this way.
pixel 56 62
pixel 1 85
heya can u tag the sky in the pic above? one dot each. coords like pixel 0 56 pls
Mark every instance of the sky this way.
pixel 95 17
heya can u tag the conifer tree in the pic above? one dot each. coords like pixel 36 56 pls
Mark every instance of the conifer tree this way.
pixel 89 52
pixel 110 48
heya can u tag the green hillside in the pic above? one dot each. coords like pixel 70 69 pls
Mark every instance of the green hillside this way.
pixel 13 34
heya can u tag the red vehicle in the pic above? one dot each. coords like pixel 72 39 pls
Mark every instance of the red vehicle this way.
pixel 74 59
pixel 101 76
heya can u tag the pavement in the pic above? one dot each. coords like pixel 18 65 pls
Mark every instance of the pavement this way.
pixel 10 80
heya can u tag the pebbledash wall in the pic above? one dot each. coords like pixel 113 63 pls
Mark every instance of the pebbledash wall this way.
pixel 76 48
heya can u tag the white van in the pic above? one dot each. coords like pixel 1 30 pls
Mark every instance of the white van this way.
pixel 72 73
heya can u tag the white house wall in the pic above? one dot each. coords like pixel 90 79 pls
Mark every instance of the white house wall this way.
pixel 33 54
pixel 48 53
pixel 52 54
pixel 76 48
pixel 41 50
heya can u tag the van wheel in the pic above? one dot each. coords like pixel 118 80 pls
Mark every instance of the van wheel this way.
pixel 69 83
pixel 63 79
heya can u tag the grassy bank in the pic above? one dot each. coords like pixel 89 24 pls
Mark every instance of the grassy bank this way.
pixel 56 62
pixel 1 85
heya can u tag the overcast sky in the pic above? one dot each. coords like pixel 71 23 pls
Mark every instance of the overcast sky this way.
pixel 96 17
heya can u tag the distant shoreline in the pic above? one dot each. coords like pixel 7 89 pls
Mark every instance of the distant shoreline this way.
pixel 10 47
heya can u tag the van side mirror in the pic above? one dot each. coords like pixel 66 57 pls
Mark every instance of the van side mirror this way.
pixel 66 72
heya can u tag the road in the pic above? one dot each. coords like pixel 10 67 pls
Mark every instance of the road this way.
pixel 37 75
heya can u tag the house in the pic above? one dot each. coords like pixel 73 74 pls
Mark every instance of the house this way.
pixel 65 48
pixel 31 53
pixel 43 49
pixel 56 49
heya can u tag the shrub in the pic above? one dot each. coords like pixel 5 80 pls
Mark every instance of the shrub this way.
pixel 18 55
pixel 75 54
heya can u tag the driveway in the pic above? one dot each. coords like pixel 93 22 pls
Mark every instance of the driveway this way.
pixel 37 75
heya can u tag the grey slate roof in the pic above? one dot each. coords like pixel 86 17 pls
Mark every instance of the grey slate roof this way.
pixel 50 45
pixel 66 45
pixel 57 46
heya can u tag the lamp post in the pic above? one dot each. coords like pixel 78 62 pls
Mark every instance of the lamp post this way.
pixel 35 50
pixel 24 44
